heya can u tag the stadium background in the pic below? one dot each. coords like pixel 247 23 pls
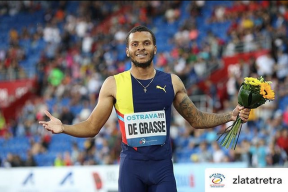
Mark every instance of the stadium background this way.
pixel 55 56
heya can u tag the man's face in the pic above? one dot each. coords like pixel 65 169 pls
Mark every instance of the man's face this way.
pixel 141 49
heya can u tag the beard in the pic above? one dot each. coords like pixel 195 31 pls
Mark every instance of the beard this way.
pixel 144 64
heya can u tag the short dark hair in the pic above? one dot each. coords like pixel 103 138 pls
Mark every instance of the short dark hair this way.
pixel 139 29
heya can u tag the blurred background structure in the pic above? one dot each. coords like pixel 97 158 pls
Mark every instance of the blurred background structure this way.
pixel 56 55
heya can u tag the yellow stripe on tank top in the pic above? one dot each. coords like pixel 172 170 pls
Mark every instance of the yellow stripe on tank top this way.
pixel 124 96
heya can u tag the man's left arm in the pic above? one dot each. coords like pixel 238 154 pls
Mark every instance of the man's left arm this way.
pixel 197 118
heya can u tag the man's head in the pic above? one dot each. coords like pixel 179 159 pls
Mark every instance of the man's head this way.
pixel 140 28
pixel 141 46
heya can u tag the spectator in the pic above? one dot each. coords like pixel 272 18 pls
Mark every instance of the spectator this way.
pixel 231 86
pixel 8 161
pixel 67 159
pixel 204 155
pixel 58 162
pixel 244 68
pixel 66 116
pixel 17 161
pixel 259 153
pixel 51 33
pixel 2 124
pixel 219 13
pixel 14 37
pixel 265 64
pixel 218 154
pixel 87 44
pixel 285 117
pixel 282 141
pixel 82 26
pixel 94 83
pixel 75 153
pixel 45 141
pixel 274 156
pixel 200 67
pixel 245 154
pixel 56 76
pixel 281 66
pixel 30 161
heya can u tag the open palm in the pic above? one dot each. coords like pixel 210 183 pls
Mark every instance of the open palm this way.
pixel 54 125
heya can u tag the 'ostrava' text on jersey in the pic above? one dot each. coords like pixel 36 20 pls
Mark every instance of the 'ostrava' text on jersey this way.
pixel 145 129
pixel 144 118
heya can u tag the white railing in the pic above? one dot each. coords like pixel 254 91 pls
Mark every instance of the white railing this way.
pixel 14 74
pixel 202 102
pixel 259 43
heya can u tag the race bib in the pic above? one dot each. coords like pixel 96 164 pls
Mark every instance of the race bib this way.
pixel 145 129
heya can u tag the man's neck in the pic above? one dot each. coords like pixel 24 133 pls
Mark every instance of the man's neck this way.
pixel 143 73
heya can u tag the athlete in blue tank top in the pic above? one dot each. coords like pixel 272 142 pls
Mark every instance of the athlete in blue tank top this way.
pixel 142 98
pixel 150 130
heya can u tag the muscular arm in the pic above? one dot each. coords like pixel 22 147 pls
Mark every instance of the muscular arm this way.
pixel 96 120
pixel 100 114
pixel 189 111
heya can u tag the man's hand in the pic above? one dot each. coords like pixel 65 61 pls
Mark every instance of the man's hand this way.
pixel 54 125
pixel 243 113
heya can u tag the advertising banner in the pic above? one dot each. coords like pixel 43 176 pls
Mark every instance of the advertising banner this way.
pixel 189 177
pixel 246 179
pixel 56 179
pixel 12 90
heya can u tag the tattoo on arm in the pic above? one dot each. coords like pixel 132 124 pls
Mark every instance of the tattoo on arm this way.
pixel 199 119
pixel 185 108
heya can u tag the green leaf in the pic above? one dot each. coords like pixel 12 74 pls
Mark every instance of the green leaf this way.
pixel 249 98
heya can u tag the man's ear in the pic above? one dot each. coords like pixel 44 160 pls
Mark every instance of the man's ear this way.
pixel 127 53
pixel 155 50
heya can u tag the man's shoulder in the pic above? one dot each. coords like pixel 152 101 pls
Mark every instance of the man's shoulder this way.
pixel 124 73
pixel 174 76
pixel 165 74
pixel 109 86
pixel 177 82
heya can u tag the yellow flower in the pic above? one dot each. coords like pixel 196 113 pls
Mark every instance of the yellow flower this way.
pixel 266 91
pixel 252 81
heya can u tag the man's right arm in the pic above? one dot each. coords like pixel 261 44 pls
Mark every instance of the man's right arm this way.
pixel 187 109
pixel 96 120
pixel 197 118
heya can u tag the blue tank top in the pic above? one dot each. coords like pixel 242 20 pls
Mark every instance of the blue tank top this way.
pixel 131 98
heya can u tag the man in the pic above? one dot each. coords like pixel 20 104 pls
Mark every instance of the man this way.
pixel 142 98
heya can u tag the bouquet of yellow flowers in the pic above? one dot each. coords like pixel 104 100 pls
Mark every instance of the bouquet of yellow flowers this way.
pixel 253 93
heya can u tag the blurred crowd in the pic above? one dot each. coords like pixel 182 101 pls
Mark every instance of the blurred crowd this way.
pixel 84 47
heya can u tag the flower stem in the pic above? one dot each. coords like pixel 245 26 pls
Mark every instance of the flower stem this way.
pixel 232 134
